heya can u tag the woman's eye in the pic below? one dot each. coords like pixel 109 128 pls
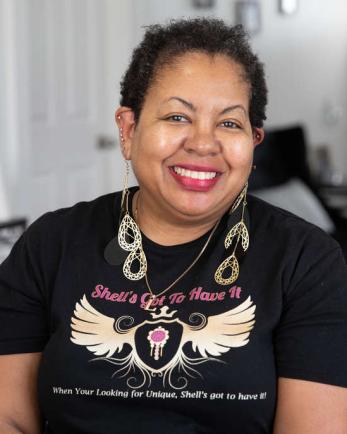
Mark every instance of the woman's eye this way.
pixel 177 118
pixel 230 124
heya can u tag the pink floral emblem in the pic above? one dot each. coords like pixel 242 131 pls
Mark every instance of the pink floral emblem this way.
pixel 157 339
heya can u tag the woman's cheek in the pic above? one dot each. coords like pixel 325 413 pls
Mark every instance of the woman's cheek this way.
pixel 165 142
pixel 240 153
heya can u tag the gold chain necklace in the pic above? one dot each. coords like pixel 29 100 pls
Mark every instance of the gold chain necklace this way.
pixel 155 296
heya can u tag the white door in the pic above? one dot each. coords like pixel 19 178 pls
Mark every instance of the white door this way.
pixel 58 61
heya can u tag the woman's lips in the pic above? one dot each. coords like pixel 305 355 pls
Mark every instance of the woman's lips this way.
pixel 195 178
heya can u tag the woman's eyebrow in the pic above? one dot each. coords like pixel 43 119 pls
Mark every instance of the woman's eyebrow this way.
pixel 193 108
pixel 232 108
pixel 183 101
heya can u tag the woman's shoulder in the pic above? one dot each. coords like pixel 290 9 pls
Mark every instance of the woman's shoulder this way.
pixel 279 225
pixel 78 218
pixel 106 202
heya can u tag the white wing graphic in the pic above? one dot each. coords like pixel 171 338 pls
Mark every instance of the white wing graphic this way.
pixel 223 331
pixel 99 333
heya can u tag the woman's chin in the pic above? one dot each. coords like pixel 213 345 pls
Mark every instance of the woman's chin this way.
pixel 195 208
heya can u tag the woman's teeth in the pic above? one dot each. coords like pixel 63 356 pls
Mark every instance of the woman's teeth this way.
pixel 194 174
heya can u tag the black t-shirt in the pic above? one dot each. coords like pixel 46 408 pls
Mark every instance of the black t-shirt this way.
pixel 207 358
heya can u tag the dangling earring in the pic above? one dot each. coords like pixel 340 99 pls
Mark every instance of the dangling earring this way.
pixel 125 191
pixel 237 232
pixel 129 237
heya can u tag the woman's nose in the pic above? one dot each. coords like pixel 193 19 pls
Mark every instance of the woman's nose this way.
pixel 202 141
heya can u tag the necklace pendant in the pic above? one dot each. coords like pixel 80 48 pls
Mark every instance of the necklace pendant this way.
pixel 149 303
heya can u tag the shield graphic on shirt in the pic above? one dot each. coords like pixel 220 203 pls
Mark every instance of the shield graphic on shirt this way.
pixel 157 343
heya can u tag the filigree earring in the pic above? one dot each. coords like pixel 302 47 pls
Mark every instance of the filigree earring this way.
pixel 237 233
pixel 130 240
pixel 129 234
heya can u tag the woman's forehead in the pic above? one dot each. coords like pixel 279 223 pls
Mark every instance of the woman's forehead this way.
pixel 195 75
pixel 198 60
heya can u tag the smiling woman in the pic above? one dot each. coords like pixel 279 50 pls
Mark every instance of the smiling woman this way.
pixel 192 146
pixel 224 314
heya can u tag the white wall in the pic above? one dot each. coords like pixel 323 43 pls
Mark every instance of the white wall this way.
pixel 8 113
pixel 306 63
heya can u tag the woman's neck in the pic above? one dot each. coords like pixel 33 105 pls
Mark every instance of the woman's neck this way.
pixel 166 231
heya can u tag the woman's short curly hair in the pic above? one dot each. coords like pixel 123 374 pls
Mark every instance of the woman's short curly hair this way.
pixel 163 44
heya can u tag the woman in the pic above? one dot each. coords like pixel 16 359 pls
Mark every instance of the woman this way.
pixel 181 306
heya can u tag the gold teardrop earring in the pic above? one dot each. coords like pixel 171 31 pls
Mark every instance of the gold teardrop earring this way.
pixel 237 233
pixel 129 234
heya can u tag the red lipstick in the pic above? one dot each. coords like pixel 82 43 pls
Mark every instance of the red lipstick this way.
pixel 195 184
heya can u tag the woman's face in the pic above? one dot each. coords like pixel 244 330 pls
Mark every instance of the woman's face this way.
pixel 192 147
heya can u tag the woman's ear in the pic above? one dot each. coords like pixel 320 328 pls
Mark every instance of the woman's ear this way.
pixel 258 136
pixel 125 120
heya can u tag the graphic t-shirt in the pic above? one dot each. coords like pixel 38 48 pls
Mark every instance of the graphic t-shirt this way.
pixel 205 358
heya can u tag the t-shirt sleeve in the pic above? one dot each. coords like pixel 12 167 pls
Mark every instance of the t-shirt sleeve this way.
pixel 311 339
pixel 23 301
